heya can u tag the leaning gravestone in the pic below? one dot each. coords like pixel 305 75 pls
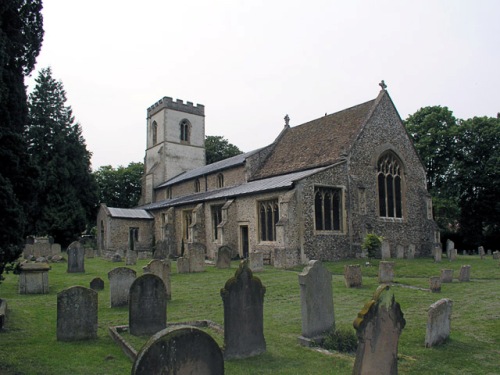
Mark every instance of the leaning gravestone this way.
pixel 76 314
pixel 147 305
pixel 316 301
pixel 162 269
pixel 438 322
pixel 223 257
pixel 256 262
pixel 243 296
pixel 97 284
pixel 464 275
pixel 446 276
pixel 378 327
pixel 120 280
pixel 352 275
pixel 180 350
pixel 76 257
pixel 385 272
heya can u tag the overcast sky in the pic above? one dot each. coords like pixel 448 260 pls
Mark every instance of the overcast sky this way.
pixel 251 62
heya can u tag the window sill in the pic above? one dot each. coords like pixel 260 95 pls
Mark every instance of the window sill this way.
pixel 328 233
pixel 392 219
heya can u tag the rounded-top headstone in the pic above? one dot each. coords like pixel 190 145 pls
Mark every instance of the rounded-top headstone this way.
pixel 180 350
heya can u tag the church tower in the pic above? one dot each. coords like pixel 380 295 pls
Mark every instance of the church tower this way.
pixel 175 142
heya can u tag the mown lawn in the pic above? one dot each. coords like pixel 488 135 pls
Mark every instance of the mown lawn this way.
pixel 28 344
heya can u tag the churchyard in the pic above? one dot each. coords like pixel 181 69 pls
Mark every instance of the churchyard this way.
pixel 29 345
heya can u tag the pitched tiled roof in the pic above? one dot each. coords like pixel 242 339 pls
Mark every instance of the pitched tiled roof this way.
pixel 129 213
pixel 210 168
pixel 268 184
pixel 316 143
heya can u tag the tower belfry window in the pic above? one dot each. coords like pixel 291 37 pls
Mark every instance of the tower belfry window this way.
pixel 154 131
pixel 184 129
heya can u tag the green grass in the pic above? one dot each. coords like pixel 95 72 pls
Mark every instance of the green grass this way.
pixel 28 345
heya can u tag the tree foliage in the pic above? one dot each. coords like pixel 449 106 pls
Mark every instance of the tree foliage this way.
pixel 66 197
pixel 218 148
pixel 120 187
pixel 21 35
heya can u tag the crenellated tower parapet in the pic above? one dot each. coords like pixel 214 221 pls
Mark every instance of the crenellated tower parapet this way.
pixel 178 105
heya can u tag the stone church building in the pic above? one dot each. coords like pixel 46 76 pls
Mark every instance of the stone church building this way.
pixel 314 193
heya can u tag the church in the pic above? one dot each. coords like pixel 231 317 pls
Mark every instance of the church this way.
pixel 314 193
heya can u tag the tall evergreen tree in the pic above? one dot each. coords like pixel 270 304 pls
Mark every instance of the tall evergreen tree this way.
pixel 21 35
pixel 67 191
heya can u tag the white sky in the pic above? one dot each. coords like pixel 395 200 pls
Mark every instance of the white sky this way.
pixel 251 62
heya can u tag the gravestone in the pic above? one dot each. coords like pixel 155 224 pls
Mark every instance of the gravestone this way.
pixel 378 327
pixel 223 257
pixel 352 275
pixel 120 280
pixel 162 269
pixel 316 301
pixel 438 322
pixel 450 245
pixel 435 284
pixel 76 257
pixel 3 313
pixel 400 251
pixel 76 314
pixel 243 296
pixel 386 272
pixel 488 252
pixel 496 254
pixel 34 278
pixel 97 284
pixel 116 258
pixel 131 258
pixel 256 262
pixel 464 252
pixel 446 276
pixel 386 250
pixel 438 253
pixel 182 265
pixel 453 255
pixel 197 253
pixel 180 350
pixel 480 251
pixel 464 275
pixel 147 305
pixel 411 251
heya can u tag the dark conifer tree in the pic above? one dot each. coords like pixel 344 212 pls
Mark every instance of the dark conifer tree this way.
pixel 67 191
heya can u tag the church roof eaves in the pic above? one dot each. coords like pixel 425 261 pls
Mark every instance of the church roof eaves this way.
pixel 253 187
pixel 129 213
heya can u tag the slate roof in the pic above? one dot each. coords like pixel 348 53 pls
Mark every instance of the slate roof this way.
pixel 253 187
pixel 316 143
pixel 129 213
pixel 210 168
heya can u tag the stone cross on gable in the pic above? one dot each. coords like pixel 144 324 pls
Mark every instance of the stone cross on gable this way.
pixel 287 120
pixel 383 85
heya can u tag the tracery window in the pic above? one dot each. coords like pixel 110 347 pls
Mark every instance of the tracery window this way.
pixel 390 184
pixel 184 128
pixel 328 208
pixel 268 218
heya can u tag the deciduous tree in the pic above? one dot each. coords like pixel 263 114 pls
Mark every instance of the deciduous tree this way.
pixel 218 148
pixel 120 187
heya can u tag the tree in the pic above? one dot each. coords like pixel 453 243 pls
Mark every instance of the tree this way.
pixel 120 187
pixel 478 178
pixel 218 148
pixel 21 35
pixel 67 191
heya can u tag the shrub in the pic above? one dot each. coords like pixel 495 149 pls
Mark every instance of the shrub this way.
pixel 372 244
pixel 342 340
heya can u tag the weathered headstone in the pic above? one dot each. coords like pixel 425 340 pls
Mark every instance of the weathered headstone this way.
pixel 120 280
pixel 488 252
pixel 480 251
pixel 378 327
pixel 256 262
pixel 162 269
pixel 243 296
pixel 438 253
pixel 435 284
pixel 450 245
pixel 97 284
pixel 464 275
pixel 76 257
pixel 496 254
pixel 352 276
pixel 316 301
pixel 386 272
pixel 180 350
pixel 411 251
pixel 438 322
pixel 116 258
pixel 386 250
pixel 131 258
pixel 34 278
pixel 147 305
pixel 446 276
pixel 453 255
pixel 182 265
pixel 223 257
pixel 196 256
pixel 76 314
pixel 400 251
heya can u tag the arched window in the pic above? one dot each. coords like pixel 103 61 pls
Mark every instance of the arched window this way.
pixel 328 208
pixel 197 185
pixel 220 180
pixel 390 185
pixel 185 128
pixel 154 132
pixel 268 218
